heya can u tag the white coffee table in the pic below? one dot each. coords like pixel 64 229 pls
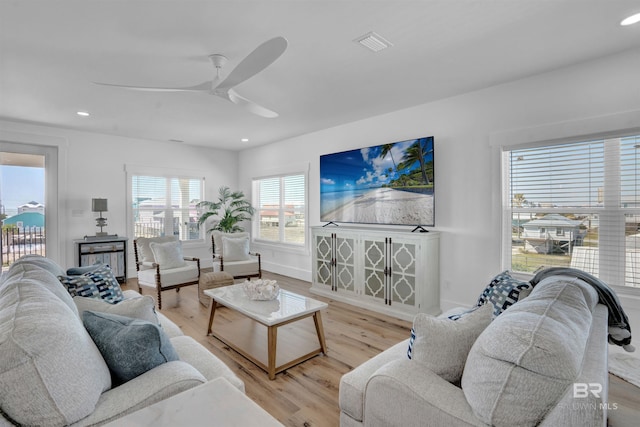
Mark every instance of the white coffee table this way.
pixel 247 340
pixel 215 403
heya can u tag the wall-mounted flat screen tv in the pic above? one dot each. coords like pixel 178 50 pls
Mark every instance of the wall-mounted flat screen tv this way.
pixel 385 184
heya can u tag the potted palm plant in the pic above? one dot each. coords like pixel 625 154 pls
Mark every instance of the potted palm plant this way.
pixel 228 211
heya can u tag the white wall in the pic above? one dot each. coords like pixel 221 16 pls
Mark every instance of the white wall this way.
pixel 468 206
pixel 93 165
pixel 467 167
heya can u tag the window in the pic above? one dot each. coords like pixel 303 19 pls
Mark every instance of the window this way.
pixel 281 216
pixel 165 205
pixel 28 185
pixel 590 193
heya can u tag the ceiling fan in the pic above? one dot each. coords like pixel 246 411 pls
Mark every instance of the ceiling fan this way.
pixel 263 56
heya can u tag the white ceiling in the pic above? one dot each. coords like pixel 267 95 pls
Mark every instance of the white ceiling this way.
pixel 51 51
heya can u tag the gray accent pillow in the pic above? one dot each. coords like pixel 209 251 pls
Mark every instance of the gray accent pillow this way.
pixel 442 344
pixel 142 307
pixel 130 347
pixel 77 271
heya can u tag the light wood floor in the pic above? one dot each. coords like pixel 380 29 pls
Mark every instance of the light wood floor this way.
pixel 307 394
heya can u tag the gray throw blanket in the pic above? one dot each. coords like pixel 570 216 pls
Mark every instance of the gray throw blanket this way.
pixel 619 329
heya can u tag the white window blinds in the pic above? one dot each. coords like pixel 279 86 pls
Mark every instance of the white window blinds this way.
pixel 563 176
pixel 282 209
pixel 577 205
pixel 165 205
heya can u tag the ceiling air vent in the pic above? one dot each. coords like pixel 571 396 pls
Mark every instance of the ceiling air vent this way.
pixel 373 41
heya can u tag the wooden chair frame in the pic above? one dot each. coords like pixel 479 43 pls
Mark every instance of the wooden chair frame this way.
pixel 158 275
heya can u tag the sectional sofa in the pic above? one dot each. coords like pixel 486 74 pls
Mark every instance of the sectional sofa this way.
pixel 53 374
pixel 541 362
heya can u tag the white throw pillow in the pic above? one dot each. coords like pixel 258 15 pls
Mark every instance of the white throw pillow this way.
pixel 144 249
pixel 235 249
pixel 168 254
pixel 442 344
pixel 218 235
pixel 139 307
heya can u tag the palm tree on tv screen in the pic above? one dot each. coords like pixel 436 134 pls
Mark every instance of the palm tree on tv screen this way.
pixel 417 152
pixel 386 149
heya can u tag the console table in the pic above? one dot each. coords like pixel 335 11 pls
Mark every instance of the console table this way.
pixel 108 250
pixel 386 270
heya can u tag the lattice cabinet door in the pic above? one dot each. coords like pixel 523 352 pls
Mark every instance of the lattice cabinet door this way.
pixel 374 266
pixel 402 256
pixel 345 256
pixel 324 260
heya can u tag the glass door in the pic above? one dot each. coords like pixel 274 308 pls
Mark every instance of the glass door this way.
pixel 27 173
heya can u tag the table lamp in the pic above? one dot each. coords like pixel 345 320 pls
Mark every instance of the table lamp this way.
pixel 100 205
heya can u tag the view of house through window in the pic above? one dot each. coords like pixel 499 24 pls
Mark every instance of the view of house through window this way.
pixel 165 206
pixel 577 205
pixel 281 207
pixel 22 209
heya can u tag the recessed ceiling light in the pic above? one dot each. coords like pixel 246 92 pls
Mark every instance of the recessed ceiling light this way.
pixel 245 140
pixel 373 41
pixel 633 19
pixel 83 113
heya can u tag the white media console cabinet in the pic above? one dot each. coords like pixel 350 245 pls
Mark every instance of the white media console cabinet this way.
pixel 385 270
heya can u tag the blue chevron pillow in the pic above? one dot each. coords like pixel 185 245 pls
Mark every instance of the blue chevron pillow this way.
pixel 97 283
pixel 503 292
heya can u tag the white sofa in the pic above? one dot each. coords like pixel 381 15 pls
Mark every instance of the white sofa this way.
pixel 52 373
pixel 520 370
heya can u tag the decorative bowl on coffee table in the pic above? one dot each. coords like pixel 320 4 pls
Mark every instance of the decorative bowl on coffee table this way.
pixel 261 289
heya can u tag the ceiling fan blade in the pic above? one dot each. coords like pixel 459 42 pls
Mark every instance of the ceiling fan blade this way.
pixel 202 87
pixel 263 56
pixel 251 106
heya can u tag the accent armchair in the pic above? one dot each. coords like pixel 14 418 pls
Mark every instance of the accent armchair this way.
pixel 160 264
pixel 231 254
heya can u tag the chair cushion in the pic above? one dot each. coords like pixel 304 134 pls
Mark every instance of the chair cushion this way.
pixel 235 248
pixel 51 372
pixel 240 268
pixel 168 254
pixel 175 276
pixel 442 345
pixel 526 359
pixel 98 283
pixel 129 346
pixel 144 250
pixel 141 307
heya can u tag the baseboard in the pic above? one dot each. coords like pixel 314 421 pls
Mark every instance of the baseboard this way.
pixel 285 270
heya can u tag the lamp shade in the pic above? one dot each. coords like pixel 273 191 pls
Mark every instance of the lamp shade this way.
pixel 99 205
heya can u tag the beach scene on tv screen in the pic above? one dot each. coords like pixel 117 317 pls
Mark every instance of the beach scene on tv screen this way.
pixel 384 184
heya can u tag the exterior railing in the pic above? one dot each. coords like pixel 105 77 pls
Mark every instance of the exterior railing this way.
pixel 15 243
